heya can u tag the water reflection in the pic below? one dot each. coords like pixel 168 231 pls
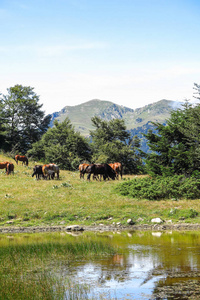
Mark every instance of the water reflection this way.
pixel 147 265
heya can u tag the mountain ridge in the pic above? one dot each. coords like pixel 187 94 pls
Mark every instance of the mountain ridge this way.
pixel 80 115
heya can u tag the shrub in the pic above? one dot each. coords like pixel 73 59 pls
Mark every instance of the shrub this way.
pixel 158 187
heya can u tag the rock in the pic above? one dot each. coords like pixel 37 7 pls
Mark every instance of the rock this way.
pixel 119 224
pixel 74 228
pixel 62 222
pixel 140 219
pixel 157 220
pixel 169 221
pixel 130 222
pixel 9 222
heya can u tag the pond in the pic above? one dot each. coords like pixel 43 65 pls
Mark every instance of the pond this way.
pixel 145 265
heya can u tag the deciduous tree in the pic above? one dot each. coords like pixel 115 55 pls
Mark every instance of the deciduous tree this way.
pixel 63 146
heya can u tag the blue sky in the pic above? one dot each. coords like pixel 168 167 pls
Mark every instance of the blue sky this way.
pixel 130 52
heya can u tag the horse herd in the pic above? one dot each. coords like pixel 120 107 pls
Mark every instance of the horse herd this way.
pixel 10 167
pixel 104 170
pixel 48 171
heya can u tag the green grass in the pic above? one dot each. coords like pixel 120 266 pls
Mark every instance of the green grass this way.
pixel 31 267
pixel 25 201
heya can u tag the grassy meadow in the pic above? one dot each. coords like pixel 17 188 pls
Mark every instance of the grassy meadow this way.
pixel 25 201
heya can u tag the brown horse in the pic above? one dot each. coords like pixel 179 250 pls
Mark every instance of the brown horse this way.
pixel 49 171
pixel 3 165
pixel 82 168
pixel 9 168
pixel 22 158
pixel 117 167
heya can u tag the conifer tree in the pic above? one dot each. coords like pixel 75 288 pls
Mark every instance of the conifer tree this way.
pixel 23 120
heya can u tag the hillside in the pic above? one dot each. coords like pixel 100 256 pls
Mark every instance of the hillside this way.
pixel 140 118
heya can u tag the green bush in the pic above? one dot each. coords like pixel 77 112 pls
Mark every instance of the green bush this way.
pixel 159 187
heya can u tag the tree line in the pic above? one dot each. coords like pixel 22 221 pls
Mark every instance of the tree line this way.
pixel 174 147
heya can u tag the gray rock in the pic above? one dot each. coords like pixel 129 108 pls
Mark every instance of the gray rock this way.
pixel 74 228
pixel 130 222
pixel 157 220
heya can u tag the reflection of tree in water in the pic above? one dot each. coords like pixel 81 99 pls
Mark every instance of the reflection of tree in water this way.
pixel 115 268
pixel 177 257
pixel 168 260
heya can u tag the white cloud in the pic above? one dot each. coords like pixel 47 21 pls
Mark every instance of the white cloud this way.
pixel 52 50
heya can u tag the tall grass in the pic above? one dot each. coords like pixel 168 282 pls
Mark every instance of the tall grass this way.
pixel 33 270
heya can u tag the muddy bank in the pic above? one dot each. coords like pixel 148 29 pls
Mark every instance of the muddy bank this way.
pixel 101 227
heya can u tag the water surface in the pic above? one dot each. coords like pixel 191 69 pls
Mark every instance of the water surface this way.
pixel 146 265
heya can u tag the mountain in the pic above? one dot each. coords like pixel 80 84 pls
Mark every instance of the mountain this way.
pixel 136 120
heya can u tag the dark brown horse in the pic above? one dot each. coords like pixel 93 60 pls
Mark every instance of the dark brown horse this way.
pixel 100 169
pixel 9 168
pixel 22 158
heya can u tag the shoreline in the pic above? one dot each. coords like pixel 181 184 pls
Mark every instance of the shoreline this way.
pixel 102 228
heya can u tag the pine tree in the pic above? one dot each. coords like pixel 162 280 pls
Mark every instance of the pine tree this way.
pixel 24 121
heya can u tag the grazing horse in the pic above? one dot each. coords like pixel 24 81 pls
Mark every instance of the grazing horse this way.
pixel 22 158
pixel 50 170
pixel 3 165
pixel 37 171
pixel 100 169
pixel 81 168
pixel 117 167
pixel 54 168
pixel 9 168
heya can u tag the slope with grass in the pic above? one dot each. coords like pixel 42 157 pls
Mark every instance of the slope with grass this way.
pixel 25 201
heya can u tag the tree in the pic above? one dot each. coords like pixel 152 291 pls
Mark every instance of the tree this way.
pixel 112 142
pixel 62 145
pixel 24 121
pixel 176 146
pixel 2 126
pixel 197 89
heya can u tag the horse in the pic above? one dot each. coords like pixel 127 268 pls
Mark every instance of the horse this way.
pixel 117 167
pixel 81 168
pixel 100 169
pixel 3 165
pixel 22 158
pixel 9 168
pixel 54 168
pixel 37 171
pixel 49 171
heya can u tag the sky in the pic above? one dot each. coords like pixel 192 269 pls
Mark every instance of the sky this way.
pixel 130 52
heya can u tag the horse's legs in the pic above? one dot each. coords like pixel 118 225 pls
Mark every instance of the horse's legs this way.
pixel 88 177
